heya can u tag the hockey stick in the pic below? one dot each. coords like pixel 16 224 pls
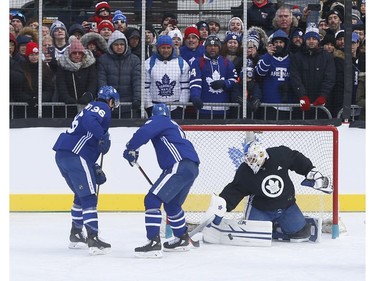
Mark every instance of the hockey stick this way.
pixel 101 165
pixel 194 243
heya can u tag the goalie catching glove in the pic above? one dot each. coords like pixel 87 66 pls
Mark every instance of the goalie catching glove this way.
pixel 317 181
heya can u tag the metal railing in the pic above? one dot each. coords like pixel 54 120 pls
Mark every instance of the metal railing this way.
pixel 61 110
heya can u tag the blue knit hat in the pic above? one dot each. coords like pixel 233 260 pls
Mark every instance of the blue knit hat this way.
pixel 312 32
pixel 119 16
pixel 232 36
pixel 164 40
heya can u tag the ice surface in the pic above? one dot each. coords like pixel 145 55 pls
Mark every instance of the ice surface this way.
pixel 39 252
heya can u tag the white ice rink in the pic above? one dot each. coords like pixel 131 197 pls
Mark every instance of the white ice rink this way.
pixel 39 252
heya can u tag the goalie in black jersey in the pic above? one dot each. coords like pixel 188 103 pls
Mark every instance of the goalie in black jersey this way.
pixel 264 176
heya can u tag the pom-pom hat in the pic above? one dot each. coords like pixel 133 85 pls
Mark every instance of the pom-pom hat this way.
pixel 31 48
pixel 119 16
pixel 102 5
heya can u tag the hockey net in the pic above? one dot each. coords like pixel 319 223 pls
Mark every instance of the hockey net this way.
pixel 220 152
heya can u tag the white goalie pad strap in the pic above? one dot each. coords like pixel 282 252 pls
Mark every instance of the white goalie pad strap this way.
pixel 239 233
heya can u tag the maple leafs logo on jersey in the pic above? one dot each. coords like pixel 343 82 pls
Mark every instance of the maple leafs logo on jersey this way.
pixel 215 76
pixel 273 186
pixel 166 86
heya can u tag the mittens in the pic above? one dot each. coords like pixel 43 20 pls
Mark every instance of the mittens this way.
pixel 320 101
pixel 304 103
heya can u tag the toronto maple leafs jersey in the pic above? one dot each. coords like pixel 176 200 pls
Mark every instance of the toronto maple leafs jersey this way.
pixel 206 70
pixel 271 188
pixel 275 71
pixel 87 128
pixel 166 81
pixel 168 139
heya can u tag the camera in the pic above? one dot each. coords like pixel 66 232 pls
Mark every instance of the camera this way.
pixel 51 51
pixel 313 7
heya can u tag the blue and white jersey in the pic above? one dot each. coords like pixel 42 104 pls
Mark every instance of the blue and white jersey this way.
pixel 168 139
pixel 87 128
pixel 274 71
pixel 166 81
pixel 203 71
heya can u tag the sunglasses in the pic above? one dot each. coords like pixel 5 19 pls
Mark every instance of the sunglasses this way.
pixel 102 10
pixel 119 21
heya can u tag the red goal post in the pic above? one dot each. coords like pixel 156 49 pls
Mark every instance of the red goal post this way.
pixel 216 144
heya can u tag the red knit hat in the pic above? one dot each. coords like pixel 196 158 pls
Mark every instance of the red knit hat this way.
pixel 191 30
pixel 105 23
pixel 31 48
pixel 102 5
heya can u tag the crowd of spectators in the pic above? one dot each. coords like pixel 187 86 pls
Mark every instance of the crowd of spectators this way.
pixel 290 60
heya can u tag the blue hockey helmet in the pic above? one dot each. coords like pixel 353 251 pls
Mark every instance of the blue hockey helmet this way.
pixel 160 109
pixel 107 93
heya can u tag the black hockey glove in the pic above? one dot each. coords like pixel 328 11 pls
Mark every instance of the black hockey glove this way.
pixel 198 103
pixel 218 84
pixel 104 144
pixel 254 104
pixel 99 175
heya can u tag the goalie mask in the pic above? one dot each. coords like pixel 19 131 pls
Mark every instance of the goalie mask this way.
pixel 255 155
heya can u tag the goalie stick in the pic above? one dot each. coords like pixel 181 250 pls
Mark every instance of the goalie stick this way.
pixel 194 243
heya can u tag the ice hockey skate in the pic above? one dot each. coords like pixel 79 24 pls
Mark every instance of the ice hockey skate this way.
pixel 97 246
pixel 178 244
pixel 78 239
pixel 151 250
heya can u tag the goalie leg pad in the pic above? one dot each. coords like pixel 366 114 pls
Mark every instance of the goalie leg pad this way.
pixel 239 233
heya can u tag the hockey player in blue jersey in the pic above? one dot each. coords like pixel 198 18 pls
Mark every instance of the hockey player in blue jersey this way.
pixel 179 163
pixel 212 77
pixel 77 151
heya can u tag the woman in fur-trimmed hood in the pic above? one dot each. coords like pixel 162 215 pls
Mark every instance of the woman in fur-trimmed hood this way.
pixel 263 38
pixel 95 43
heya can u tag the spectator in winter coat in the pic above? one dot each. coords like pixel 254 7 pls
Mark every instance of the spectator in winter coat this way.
pixel 29 92
pixel 312 74
pixel 121 69
pixel 76 77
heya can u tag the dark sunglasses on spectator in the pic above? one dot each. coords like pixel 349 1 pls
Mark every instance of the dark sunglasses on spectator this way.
pixel 118 21
pixel 102 10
